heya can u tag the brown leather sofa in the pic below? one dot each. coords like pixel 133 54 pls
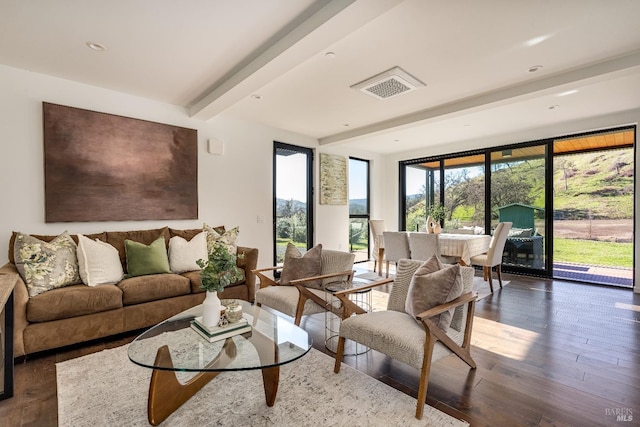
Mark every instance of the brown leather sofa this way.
pixel 79 313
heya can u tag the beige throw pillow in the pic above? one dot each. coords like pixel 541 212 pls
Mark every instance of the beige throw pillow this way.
pixel 183 254
pixel 99 262
pixel 298 266
pixel 434 284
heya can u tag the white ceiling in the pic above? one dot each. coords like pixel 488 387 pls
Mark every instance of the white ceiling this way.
pixel 211 56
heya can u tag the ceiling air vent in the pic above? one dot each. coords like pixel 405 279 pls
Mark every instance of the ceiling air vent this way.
pixel 389 84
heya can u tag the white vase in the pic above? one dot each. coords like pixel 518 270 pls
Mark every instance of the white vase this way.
pixel 211 308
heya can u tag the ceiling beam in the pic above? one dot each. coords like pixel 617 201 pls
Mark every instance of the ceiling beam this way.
pixel 597 71
pixel 323 24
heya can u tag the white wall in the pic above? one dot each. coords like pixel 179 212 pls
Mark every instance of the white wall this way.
pixel 390 188
pixel 234 189
pixel 332 222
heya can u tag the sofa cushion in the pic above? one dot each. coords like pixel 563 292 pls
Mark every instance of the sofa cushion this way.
pixel 146 259
pixel 72 301
pixel 153 287
pixel 48 238
pixel 46 265
pixel 117 238
pixel 431 285
pixel 98 262
pixel 183 254
pixel 196 280
pixel 297 266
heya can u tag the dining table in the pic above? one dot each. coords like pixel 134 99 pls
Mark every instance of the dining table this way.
pixel 463 246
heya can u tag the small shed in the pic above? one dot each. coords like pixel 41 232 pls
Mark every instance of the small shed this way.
pixel 522 216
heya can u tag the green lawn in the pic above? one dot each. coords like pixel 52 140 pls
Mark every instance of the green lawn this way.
pixel 593 252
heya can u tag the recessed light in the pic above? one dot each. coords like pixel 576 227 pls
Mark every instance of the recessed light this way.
pixel 396 140
pixel 345 125
pixel 553 107
pixel 330 55
pixel 96 46
pixel 256 96
pixel 536 40
pixel 534 68
pixel 569 92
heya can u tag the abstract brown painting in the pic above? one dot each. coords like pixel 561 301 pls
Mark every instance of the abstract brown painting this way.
pixel 103 167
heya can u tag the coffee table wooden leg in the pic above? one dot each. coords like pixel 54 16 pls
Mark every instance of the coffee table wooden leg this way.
pixel 166 393
pixel 270 379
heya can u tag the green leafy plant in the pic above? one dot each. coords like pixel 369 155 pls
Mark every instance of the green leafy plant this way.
pixel 437 212
pixel 219 270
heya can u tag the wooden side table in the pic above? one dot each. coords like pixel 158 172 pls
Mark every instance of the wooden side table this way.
pixel 7 283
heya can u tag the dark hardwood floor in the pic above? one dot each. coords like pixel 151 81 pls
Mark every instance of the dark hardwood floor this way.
pixel 549 353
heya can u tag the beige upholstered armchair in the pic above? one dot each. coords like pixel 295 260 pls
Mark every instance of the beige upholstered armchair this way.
pixel 298 299
pixel 416 341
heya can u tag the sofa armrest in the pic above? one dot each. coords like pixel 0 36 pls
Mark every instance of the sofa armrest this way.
pixel 248 263
pixel 8 272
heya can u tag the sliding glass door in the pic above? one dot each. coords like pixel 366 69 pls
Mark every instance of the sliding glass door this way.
pixel 571 202
pixel 518 195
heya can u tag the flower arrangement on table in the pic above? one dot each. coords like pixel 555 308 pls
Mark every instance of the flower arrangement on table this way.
pixel 435 214
pixel 218 271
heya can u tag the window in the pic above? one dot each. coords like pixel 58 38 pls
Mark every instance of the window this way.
pixel 292 198
pixel 359 208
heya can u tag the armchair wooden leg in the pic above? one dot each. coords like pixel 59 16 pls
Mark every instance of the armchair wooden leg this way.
pixel 424 375
pixel 499 271
pixel 387 269
pixel 300 309
pixel 339 354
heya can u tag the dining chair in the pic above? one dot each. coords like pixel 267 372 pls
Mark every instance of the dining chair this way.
pixel 377 228
pixel 423 246
pixel 493 257
pixel 396 247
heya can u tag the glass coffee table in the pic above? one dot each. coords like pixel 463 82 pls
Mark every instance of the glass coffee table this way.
pixel 173 346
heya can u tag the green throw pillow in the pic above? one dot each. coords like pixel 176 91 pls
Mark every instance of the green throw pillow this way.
pixel 143 259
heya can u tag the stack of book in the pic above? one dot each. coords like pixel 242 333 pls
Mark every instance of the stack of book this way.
pixel 217 333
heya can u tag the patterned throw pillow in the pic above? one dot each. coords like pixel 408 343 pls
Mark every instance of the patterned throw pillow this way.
pixel 434 284
pixel 298 266
pixel 46 265
pixel 99 262
pixel 183 254
pixel 228 239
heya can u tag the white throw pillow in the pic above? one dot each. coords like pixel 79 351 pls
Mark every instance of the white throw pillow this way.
pixel 183 255
pixel 99 262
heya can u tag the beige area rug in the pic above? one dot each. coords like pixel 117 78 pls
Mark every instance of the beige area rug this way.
pixel 106 389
